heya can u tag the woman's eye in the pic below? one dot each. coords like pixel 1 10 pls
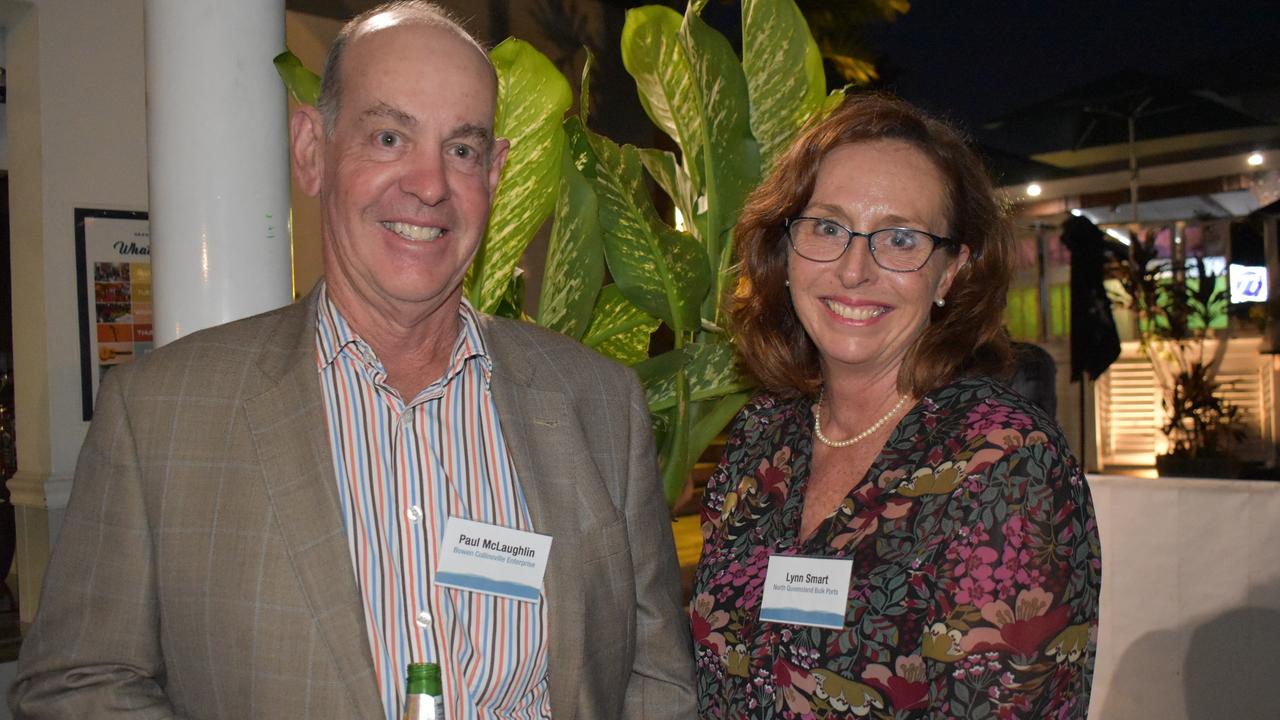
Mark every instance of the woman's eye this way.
pixel 828 229
pixel 903 239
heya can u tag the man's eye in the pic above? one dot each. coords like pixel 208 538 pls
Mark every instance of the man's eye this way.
pixel 462 152
pixel 388 139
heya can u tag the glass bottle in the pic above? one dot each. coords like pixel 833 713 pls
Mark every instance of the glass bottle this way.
pixel 423 698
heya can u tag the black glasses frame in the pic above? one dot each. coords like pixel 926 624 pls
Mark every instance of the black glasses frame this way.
pixel 851 234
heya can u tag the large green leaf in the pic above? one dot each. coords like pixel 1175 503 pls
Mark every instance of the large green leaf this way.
pixel 574 269
pixel 658 376
pixel 662 271
pixel 776 42
pixel 532 99
pixel 709 367
pixel 731 154
pixel 674 454
pixel 301 83
pixel 653 55
pixel 732 158
pixel 684 431
pixel 619 329
pixel 713 416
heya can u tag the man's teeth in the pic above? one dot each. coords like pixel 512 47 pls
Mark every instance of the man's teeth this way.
pixel 417 233
pixel 861 312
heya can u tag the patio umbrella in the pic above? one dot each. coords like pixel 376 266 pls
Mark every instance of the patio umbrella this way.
pixel 1095 343
pixel 1123 108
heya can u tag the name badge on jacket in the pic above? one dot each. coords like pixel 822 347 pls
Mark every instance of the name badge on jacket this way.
pixel 492 559
pixel 801 590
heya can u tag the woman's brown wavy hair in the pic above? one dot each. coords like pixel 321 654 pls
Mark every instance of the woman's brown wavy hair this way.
pixel 966 336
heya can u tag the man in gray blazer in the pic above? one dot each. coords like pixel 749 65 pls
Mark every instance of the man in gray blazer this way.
pixel 231 550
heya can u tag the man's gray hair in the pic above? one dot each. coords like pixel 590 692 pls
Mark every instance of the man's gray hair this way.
pixel 419 12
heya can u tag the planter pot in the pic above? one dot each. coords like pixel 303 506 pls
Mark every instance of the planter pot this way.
pixel 1204 467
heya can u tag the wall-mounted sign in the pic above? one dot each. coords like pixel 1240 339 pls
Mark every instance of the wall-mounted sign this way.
pixel 113 269
pixel 1248 283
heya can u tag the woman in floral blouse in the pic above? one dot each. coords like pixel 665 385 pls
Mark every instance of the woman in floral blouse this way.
pixel 875 262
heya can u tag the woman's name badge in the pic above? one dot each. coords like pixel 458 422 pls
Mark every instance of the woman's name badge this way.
pixel 492 559
pixel 801 590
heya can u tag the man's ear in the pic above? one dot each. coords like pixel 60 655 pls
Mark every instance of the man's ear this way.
pixel 306 145
pixel 497 158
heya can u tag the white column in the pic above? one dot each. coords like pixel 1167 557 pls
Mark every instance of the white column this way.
pixel 217 140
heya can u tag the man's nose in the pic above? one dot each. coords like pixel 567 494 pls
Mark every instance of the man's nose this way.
pixel 425 177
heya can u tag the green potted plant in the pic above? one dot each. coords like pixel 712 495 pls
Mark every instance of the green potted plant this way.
pixel 1175 307
pixel 728 116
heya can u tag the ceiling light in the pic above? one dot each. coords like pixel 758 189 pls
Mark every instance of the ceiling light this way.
pixel 1255 159
pixel 1119 236
pixel 1034 190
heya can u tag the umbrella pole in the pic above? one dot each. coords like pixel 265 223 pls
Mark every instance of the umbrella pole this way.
pixel 1133 168
pixel 1084 424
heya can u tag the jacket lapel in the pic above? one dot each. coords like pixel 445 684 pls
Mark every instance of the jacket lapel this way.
pixel 288 424
pixel 536 424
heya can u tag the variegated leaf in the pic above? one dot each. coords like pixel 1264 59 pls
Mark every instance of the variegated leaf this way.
pixel 619 329
pixel 710 370
pixel 732 155
pixel 532 99
pixel 574 268
pixel 652 54
pixel 662 271
pixel 776 42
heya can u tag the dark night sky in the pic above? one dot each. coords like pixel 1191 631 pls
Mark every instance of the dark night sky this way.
pixel 976 60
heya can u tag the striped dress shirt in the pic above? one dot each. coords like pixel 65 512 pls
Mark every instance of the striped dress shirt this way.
pixel 403 469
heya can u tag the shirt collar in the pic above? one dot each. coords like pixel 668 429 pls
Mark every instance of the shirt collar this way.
pixel 334 335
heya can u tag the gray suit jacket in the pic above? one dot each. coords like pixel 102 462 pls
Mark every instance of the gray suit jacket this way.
pixel 202 568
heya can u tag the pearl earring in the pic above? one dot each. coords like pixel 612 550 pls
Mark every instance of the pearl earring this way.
pixel 786 283
pixel 939 302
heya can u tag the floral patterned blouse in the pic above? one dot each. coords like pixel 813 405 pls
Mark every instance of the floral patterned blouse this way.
pixel 976 569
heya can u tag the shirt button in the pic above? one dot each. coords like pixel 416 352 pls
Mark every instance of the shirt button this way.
pixel 414 513
pixel 423 619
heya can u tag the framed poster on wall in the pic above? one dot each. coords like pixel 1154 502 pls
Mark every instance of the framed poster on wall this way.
pixel 113 270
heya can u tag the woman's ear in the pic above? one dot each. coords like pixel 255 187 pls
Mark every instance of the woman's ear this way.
pixel 953 268
pixel 306 145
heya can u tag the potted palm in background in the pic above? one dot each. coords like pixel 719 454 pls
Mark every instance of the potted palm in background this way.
pixel 1175 307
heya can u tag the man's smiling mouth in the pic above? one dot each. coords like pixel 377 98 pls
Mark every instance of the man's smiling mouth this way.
pixel 415 233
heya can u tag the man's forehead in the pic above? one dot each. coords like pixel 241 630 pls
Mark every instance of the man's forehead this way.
pixel 444 37
pixel 408 69
pixel 380 21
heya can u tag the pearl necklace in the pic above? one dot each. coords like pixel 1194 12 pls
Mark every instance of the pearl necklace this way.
pixel 817 424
